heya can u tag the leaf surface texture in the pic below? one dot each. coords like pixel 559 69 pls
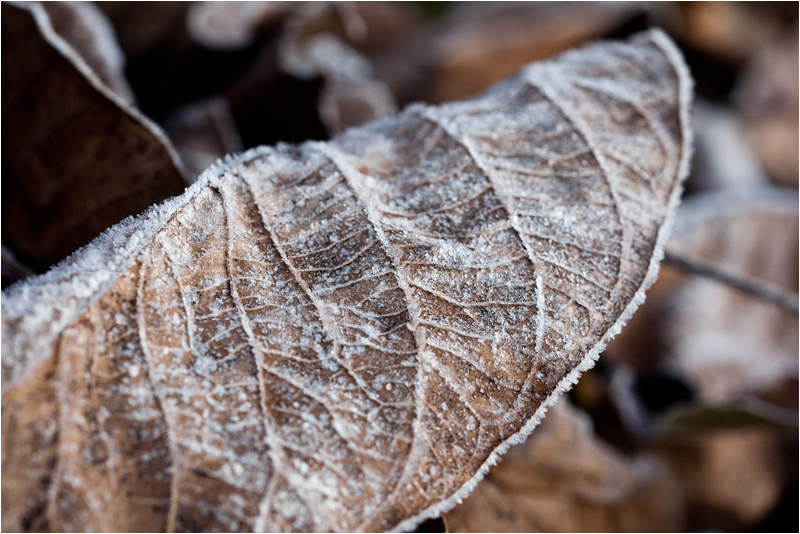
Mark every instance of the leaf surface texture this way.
pixel 345 335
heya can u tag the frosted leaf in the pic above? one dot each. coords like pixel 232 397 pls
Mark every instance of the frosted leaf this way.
pixel 721 332
pixel 80 158
pixel 346 335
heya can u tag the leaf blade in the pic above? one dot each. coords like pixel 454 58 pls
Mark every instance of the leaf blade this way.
pixel 413 354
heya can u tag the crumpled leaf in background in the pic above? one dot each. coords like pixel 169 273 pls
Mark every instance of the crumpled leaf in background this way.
pixel 565 479
pixel 350 96
pixel 726 446
pixel 202 133
pixel 360 327
pixel 79 158
pixel 768 97
pixel 732 477
pixel 231 25
pixel 481 43
pixel 725 342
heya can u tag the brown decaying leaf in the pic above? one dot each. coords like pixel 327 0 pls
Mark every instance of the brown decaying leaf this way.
pixel 722 341
pixel 565 479
pixel 79 159
pixel 480 43
pixel 734 471
pixel 90 33
pixel 725 342
pixel 345 336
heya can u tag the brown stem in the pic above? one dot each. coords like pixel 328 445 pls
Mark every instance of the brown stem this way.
pixel 758 288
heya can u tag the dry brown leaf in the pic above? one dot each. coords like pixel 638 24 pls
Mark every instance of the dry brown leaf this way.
pixel 768 98
pixel 90 33
pixel 723 341
pixel 565 479
pixel 345 336
pixel 481 43
pixel 79 158
pixel 735 471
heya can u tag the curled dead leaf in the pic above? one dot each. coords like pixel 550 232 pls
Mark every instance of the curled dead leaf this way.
pixel 350 95
pixel 346 335
pixel 80 159
pixel 90 33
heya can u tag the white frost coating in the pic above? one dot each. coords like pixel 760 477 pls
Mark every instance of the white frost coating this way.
pixel 540 320
pixel 42 306
pixel 353 175
pixel 685 95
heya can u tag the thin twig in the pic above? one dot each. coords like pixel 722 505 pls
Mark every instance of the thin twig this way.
pixel 758 288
